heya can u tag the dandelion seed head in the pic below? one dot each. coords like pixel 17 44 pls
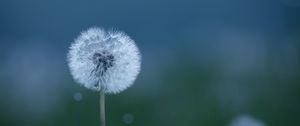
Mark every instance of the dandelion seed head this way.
pixel 246 120
pixel 104 59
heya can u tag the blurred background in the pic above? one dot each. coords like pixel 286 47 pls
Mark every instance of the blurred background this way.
pixel 205 62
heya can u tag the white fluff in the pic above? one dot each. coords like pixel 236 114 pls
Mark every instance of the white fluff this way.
pixel 100 59
pixel 246 120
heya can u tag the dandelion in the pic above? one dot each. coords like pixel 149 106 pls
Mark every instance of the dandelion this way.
pixel 104 61
pixel 246 120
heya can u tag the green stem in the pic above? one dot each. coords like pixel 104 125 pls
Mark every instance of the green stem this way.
pixel 102 107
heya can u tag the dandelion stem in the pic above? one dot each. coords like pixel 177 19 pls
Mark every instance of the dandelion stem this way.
pixel 102 107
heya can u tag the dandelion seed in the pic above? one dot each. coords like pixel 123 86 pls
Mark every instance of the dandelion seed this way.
pixel 128 118
pixel 108 60
pixel 77 96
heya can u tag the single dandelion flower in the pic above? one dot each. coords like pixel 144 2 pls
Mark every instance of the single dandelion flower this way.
pixel 246 120
pixel 105 61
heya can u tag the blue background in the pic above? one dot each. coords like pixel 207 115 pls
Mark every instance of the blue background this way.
pixel 205 62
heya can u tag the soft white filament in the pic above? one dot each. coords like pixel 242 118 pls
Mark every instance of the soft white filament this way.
pixel 246 120
pixel 125 61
